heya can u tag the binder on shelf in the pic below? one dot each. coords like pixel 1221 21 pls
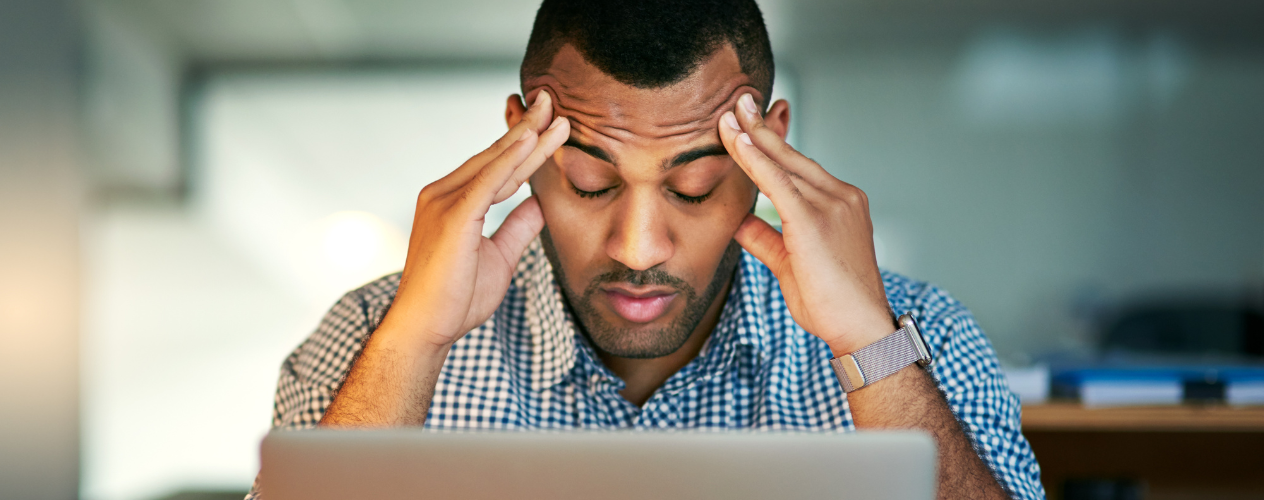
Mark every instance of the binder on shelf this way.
pixel 1154 385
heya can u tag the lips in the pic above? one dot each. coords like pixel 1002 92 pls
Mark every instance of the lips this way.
pixel 640 308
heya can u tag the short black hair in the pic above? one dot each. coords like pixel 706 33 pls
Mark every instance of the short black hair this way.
pixel 651 43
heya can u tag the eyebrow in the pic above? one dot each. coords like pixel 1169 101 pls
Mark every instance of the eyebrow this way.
pixel 592 151
pixel 694 154
pixel 680 159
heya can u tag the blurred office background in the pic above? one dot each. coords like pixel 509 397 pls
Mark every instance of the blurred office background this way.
pixel 186 186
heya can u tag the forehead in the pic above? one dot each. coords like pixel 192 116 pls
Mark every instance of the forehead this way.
pixel 600 107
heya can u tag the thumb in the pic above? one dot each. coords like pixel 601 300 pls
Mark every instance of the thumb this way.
pixel 520 227
pixel 762 240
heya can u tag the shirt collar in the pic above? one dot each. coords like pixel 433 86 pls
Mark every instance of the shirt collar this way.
pixel 755 290
pixel 550 328
pixel 550 353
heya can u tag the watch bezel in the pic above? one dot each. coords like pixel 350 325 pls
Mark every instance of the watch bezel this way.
pixel 909 324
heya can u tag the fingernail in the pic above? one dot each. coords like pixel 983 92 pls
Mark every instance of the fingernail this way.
pixel 525 134
pixel 731 121
pixel 540 97
pixel 748 102
pixel 556 121
pixel 745 138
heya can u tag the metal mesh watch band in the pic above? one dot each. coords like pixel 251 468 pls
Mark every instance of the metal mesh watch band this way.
pixel 878 360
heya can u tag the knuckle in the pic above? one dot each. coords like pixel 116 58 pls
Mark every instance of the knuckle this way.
pixel 426 195
pixel 489 150
pixel 479 177
pixel 466 193
pixel 854 196
pixel 784 147
pixel 786 180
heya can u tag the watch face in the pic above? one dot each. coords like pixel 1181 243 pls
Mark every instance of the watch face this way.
pixel 919 342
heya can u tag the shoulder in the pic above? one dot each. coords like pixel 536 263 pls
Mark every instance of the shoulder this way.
pixel 326 355
pixel 965 360
pixel 927 302
pixel 943 320
pixel 950 330
pixel 375 297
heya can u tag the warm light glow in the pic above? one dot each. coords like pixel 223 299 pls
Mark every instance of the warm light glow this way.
pixel 351 241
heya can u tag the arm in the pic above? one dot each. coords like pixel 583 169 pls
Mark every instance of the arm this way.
pixel 391 384
pixel 910 399
pixel 454 278
pixel 824 260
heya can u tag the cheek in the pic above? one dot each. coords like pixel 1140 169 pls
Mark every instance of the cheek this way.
pixel 576 231
pixel 704 232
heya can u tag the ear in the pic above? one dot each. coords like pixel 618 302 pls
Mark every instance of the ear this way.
pixel 514 110
pixel 778 118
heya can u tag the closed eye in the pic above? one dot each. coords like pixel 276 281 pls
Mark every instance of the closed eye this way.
pixel 692 199
pixel 590 194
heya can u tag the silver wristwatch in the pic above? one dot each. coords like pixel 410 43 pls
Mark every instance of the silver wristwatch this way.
pixel 880 359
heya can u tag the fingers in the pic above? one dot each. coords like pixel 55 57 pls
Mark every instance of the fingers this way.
pixel 763 241
pixel 774 146
pixel 481 190
pixel 519 228
pixel 768 176
pixel 550 140
pixel 538 116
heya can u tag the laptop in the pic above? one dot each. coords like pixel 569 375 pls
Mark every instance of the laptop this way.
pixel 410 463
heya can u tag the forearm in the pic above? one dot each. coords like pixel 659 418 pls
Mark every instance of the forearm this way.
pixel 390 385
pixel 910 399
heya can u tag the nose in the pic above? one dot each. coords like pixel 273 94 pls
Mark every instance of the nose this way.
pixel 640 237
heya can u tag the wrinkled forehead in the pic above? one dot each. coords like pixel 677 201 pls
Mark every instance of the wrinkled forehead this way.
pixel 599 105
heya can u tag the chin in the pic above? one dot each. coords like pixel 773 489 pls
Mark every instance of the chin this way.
pixel 624 339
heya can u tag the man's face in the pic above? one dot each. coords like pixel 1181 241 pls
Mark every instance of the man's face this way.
pixel 642 203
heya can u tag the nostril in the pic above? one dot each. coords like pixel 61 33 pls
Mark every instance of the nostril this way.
pixel 641 236
pixel 641 251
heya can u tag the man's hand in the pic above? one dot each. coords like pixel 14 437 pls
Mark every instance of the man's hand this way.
pixel 829 275
pixel 824 256
pixel 454 278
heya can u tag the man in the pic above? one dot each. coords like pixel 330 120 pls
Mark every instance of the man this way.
pixel 635 289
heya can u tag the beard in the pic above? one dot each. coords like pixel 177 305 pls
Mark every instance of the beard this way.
pixel 644 342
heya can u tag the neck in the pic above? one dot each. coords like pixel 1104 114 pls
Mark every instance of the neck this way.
pixel 644 376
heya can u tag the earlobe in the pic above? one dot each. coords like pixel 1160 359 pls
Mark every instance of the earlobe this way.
pixel 514 110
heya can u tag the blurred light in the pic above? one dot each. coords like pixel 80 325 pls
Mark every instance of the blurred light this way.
pixel 352 240
pixel 19 311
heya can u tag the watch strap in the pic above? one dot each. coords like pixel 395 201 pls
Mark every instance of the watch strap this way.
pixel 876 361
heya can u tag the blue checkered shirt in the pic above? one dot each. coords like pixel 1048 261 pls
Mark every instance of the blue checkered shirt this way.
pixel 528 367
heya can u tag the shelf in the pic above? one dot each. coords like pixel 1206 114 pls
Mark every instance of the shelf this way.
pixel 1068 416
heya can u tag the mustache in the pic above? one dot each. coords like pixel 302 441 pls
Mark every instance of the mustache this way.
pixel 651 276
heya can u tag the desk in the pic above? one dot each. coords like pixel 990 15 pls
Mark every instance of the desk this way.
pixel 1180 452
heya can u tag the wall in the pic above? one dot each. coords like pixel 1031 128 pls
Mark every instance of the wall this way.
pixel 1039 173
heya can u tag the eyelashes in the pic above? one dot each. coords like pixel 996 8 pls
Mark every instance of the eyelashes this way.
pixel 693 200
pixel 589 194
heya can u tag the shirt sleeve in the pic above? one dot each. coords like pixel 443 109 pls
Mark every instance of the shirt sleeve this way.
pixel 970 376
pixel 312 374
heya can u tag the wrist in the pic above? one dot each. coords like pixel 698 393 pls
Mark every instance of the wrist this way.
pixel 399 333
pixel 861 335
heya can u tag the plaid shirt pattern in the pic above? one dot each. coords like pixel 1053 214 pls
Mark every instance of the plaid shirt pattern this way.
pixel 528 367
